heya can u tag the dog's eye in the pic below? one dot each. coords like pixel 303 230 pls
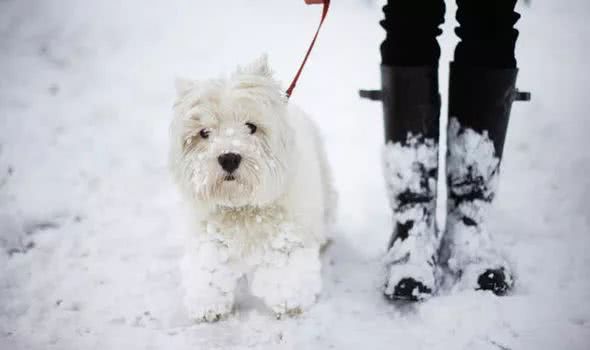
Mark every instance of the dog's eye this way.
pixel 252 127
pixel 204 133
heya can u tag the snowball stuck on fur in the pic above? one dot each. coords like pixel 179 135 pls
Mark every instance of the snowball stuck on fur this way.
pixel 266 216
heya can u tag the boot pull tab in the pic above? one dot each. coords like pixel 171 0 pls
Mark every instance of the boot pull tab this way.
pixel 373 95
pixel 521 95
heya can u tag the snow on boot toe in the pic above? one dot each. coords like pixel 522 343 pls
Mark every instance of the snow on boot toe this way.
pixel 410 290
pixel 408 281
pixel 495 277
pixel 495 280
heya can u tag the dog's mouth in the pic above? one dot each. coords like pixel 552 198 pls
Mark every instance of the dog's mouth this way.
pixel 229 177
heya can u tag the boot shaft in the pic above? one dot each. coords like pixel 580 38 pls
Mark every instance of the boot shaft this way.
pixel 411 102
pixel 411 114
pixel 481 99
pixel 480 102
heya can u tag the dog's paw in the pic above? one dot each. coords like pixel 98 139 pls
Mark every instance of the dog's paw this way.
pixel 210 313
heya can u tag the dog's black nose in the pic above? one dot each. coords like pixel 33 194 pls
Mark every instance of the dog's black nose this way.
pixel 229 161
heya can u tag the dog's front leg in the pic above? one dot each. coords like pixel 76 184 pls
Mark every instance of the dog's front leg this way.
pixel 289 282
pixel 209 279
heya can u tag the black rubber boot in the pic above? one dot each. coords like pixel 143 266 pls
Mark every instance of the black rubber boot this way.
pixel 480 100
pixel 411 102
pixel 411 110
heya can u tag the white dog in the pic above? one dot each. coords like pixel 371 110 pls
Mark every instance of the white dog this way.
pixel 254 171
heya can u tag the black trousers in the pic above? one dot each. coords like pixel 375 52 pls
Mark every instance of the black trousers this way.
pixel 486 32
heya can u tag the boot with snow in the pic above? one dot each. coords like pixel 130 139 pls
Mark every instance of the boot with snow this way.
pixel 480 100
pixel 411 109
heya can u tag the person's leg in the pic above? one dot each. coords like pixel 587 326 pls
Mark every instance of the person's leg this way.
pixel 481 92
pixel 411 108
pixel 487 34
pixel 411 28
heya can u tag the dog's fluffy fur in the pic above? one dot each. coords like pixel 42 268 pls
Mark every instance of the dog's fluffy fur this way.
pixel 267 220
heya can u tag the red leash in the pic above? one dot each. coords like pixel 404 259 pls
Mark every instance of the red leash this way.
pixel 294 82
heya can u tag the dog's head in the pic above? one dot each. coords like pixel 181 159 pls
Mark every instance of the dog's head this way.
pixel 230 140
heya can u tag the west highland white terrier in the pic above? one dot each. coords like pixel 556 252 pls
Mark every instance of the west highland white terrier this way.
pixel 253 169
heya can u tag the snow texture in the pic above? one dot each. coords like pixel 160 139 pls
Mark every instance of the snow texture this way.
pixel 410 170
pixel 473 169
pixel 90 223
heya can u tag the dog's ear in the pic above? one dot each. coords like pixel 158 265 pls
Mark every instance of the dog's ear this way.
pixel 258 67
pixel 183 85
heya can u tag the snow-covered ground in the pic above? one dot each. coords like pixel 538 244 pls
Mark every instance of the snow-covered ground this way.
pixel 89 219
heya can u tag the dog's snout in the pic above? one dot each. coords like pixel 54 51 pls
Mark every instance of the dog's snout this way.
pixel 229 161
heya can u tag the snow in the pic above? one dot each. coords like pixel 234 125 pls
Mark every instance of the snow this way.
pixel 90 222
pixel 471 156
pixel 410 167
pixel 473 167
pixel 406 165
